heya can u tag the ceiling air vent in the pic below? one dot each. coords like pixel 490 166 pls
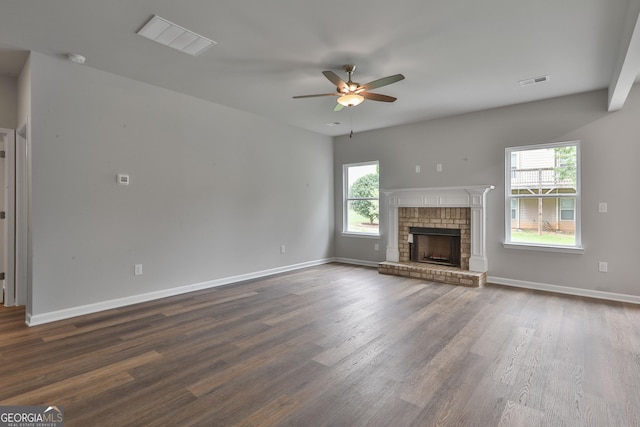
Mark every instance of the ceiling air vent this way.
pixel 535 80
pixel 169 34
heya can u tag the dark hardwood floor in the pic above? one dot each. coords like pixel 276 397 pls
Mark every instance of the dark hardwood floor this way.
pixel 334 345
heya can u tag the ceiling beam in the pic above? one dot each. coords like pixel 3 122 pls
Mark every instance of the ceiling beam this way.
pixel 628 61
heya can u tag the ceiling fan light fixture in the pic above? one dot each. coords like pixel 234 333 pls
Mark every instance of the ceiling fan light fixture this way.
pixel 351 100
pixel 351 93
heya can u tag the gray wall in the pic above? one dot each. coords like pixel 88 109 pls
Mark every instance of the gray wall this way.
pixel 214 192
pixel 471 149
pixel 8 102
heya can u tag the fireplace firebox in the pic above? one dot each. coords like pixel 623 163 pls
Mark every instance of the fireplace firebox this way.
pixel 435 245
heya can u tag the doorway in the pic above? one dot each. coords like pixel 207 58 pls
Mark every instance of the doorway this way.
pixel 22 275
pixel 7 215
pixel 14 215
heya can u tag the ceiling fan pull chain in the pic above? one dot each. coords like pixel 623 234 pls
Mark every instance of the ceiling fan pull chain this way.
pixel 351 122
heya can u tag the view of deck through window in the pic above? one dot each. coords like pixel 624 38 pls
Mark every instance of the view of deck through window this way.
pixel 542 195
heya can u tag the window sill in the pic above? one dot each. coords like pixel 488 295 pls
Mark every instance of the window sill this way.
pixel 366 236
pixel 542 248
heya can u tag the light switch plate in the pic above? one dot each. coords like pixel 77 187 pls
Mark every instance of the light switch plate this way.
pixel 602 207
pixel 603 266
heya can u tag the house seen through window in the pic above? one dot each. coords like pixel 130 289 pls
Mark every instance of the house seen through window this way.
pixel 543 195
pixel 361 198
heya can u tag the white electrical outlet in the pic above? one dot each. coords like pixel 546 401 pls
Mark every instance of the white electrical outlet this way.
pixel 376 247
pixel 122 179
pixel 439 167
pixel 137 269
pixel 603 267
pixel 417 168
pixel 282 249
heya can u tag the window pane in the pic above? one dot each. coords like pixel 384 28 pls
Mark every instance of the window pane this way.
pixel 362 216
pixel 363 181
pixel 545 170
pixel 543 221
pixel 567 209
pixel 567 203
pixel 566 215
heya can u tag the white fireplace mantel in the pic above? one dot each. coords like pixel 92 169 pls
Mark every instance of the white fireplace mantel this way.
pixel 473 197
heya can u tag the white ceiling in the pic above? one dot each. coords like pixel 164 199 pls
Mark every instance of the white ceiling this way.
pixel 457 56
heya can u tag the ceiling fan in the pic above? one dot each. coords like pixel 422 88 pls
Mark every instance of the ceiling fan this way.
pixel 351 93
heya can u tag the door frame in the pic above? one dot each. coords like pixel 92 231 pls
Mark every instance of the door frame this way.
pixel 22 225
pixel 8 224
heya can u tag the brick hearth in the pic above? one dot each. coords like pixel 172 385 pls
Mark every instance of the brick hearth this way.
pixel 433 273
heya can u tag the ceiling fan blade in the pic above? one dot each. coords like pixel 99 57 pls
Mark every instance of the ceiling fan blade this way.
pixel 338 107
pixel 381 82
pixel 378 97
pixel 316 95
pixel 336 80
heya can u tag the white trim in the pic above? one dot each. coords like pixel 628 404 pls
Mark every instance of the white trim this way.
pixel 9 249
pixel 610 296
pixel 67 313
pixel 542 146
pixel 628 61
pixel 23 240
pixel 358 262
pixel 543 248
pixel 365 235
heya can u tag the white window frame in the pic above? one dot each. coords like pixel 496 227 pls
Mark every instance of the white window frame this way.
pixel 577 248
pixel 346 199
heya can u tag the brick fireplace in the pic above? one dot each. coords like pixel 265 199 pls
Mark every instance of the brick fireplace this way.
pixel 436 219
pixel 451 208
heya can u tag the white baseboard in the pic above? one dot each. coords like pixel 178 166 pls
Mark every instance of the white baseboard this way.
pixel 357 262
pixel 633 299
pixel 39 319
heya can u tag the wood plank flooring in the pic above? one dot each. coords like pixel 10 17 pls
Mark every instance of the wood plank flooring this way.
pixel 334 345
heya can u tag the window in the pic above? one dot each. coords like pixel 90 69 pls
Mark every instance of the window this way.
pixel 567 209
pixel 361 198
pixel 542 197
